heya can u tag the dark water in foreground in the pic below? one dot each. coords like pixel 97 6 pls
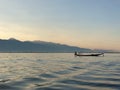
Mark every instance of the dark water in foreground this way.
pixel 58 71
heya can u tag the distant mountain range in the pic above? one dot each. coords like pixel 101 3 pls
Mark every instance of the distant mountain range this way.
pixel 13 45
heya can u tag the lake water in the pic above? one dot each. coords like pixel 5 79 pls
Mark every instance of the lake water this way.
pixel 59 71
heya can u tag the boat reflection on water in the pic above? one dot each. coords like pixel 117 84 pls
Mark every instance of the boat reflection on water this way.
pixel 88 54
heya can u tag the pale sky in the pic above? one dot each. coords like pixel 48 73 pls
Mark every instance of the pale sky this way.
pixel 91 24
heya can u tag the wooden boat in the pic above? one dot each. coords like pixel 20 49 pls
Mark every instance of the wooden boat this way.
pixel 94 54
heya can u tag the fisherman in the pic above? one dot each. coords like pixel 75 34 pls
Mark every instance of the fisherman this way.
pixel 75 53
pixel 102 54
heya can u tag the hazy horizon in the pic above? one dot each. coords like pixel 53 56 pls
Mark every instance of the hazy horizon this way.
pixel 90 24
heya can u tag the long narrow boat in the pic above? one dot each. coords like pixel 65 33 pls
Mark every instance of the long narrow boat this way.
pixel 95 54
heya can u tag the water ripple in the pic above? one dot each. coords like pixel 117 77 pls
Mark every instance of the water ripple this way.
pixel 58 71
pixel 94 84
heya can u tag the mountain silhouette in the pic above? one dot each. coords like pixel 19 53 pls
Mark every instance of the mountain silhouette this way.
pixel 14 45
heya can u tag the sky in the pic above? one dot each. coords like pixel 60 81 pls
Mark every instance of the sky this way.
pixel 93 24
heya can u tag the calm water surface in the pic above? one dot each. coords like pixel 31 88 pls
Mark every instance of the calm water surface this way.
pixel 58 71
